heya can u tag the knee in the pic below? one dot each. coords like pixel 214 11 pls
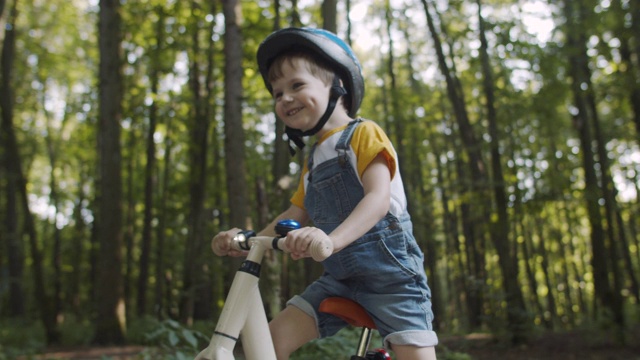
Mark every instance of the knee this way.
pixel 281 344
pixel 414 352
pixel 291 329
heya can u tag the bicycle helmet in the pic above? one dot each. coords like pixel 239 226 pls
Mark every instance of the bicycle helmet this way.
pixel 333 51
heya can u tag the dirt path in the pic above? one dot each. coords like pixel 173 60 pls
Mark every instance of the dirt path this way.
pixel 569 346
pixel 92 353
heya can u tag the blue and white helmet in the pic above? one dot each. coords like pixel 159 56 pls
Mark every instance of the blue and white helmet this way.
pixel 326 44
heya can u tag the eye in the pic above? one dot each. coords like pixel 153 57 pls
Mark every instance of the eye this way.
pixel 277 94
pixel 297 85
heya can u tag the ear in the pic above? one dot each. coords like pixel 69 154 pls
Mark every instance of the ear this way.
pixel 337 91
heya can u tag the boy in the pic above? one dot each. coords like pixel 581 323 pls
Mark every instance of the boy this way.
pixel 350 189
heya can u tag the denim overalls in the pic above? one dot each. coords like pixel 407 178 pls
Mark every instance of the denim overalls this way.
pixel 383 270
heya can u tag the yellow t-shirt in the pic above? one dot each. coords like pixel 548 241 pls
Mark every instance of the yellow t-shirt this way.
pixel 368 141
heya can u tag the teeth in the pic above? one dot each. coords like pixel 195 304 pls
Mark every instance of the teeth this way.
pixel 293 112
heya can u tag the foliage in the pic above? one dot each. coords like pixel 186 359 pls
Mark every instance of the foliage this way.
pixel 140 330
pixel 447 354
pixel 76 332
pixel 178 45
pixel 20 337
pixel 335 347
pixel 344 344
pixel 173 341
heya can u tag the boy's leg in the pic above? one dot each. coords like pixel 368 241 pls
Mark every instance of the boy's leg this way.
pixel 291 329
pixel 409 352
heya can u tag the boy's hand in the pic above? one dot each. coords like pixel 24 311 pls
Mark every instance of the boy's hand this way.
pixel 297 241
pixel 221 243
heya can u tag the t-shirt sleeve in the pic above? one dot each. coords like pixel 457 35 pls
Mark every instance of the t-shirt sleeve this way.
pixel 298 197
pixel 369 141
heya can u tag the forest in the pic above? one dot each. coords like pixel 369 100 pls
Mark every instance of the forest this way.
pixel 133 131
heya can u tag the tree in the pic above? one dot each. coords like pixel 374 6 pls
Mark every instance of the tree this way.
pixel 630 49
pixel 11 172
pixel 516 311
pixel 329 18
pixel 585 119
pixel 496 135
pixel 110 308
pixel 150 167
pixel 18 183
pixel 233 131
pixel 200 86
pixel 477 169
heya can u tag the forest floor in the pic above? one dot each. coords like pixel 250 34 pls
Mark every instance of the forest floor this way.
pixel 565 346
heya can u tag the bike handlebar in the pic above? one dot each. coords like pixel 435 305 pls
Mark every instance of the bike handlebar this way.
pixel 319 249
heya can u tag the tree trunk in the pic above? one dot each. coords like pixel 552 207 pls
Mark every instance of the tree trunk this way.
pixel 516 311
pixel 578 63
pixel 631 50
pixel 529 263
pixel 396 114
pixel 234 160
pixel 295 14
pixel 18 180
pixel 271 269
pixel 56 258
pixel 110 306
pixel 150 170
pixel 347 36
pixel 78 239
pixel 281 156
pixel 130 228
pixel 14 248
pixel 418 184
pixel 616 232
pixel 220 273
pixel 472 246
pixel 197 297
pixel 452 250
pixel 160 270
pixel 477 175
pixel 233 131
pixel 329 15
pixel 550 315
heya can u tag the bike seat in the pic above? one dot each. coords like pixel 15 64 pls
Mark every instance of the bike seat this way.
pixel 348 310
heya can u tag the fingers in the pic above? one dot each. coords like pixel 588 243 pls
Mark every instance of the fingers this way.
pixel 221 243
pixel 297 241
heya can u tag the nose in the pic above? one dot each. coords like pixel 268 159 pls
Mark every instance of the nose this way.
pixel 286 96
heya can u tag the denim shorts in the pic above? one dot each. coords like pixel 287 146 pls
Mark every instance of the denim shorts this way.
pixel 382 271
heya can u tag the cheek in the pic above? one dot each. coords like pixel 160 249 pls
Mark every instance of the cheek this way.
pixel 278 109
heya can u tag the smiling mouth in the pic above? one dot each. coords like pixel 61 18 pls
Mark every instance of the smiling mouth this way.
pixel 294 111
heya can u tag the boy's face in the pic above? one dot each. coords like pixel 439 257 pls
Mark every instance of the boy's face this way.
pixel 300 97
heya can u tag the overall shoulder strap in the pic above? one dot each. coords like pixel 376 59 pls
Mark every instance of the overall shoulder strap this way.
pixel 347 134
pixel 345 139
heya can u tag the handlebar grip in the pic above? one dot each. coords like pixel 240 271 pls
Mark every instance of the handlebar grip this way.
pixel 320 250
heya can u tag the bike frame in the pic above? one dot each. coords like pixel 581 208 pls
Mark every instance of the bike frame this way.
pixel 243 316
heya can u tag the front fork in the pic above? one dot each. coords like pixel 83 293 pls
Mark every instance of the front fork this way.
pixel 243 311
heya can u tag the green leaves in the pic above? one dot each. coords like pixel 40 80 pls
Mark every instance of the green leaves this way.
pixel 177 340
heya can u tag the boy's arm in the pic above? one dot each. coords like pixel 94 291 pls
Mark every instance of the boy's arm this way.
pixel 376 181
pixel 293 212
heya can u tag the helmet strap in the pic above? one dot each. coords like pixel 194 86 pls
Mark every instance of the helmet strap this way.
pixel 295 135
